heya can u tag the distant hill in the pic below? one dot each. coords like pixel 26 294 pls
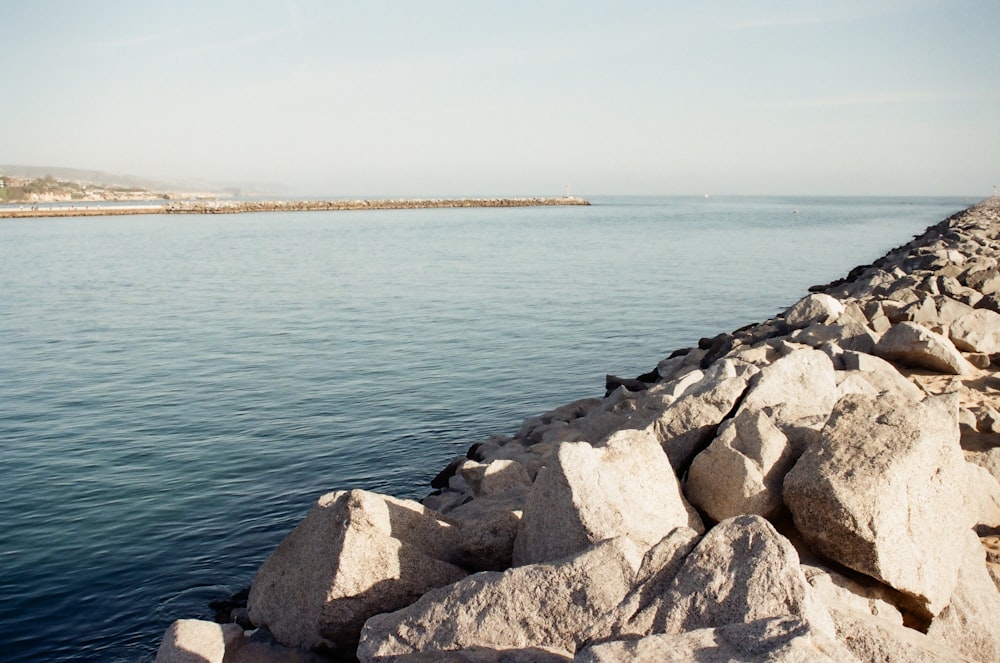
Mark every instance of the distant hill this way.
pixel 128 181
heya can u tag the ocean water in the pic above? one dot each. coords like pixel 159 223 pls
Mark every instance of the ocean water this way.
pixel 175 392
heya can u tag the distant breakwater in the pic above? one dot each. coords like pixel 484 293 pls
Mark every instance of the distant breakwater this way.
pixel 243 206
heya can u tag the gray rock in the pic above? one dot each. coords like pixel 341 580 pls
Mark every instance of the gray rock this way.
pixel 742 470
pixel 977 331
pixel 880 493
pixel 624 488
pixel 354 555
pixel 913 345
pixel 540 605
pixel 774 640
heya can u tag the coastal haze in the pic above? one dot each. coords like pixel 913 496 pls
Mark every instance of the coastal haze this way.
pixel 456 99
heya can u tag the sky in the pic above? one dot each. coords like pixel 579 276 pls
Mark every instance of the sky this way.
pixel 466 98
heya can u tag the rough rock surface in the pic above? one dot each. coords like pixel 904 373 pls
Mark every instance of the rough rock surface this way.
pixel 878 494
pixel 624 488
pixel 354 555
pixel 543 606
pixel 742 570
pixel 742 470
pixel 775 640
pixel 911 344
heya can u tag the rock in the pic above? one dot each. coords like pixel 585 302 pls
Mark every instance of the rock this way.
pixel 539 605
pixel 881 375
pixel 978 331
pixel 982 496
pixel 659 566
pixel 624 488
pixel 913 345
pixel 486 655
pixel 850 336
pixel 488 527
pixel 817 307
pixel 970 623
pixel 197 641
pixel 742 570
pixel 797 390
pixel 742 469
pixel 852 591
pixel 689 423
pixel 774 640
pixel 496 477
pixel 875 640
pixel 880 493
pixel 354 555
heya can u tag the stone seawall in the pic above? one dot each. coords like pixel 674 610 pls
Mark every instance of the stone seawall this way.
pixel 241 207
pixel 821 486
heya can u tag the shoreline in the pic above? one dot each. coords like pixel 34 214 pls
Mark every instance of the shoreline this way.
pixel 825 483
pixel 34 210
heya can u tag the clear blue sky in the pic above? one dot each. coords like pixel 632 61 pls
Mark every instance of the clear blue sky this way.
pixel 511 98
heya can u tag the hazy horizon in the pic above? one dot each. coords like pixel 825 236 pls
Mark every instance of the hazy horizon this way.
pixel 449 98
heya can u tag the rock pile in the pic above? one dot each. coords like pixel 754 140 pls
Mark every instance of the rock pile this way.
pixel 822 486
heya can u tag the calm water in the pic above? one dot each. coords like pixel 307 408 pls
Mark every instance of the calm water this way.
pixel 176 392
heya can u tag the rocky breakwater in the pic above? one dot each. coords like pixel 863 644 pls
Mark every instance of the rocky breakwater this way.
pixel 244 206
pixel 821 486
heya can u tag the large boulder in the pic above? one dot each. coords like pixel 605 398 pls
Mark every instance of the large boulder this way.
pixel 773 640
pixel 742 570
pixel 977 331
pixel 544 606
pixel 817 307
pixel 881 493
pixel 797 390
pixel 913 345
pixel 354 555
pixel 624 488
pixel 741 471
pixel 971 622
pixel 690 422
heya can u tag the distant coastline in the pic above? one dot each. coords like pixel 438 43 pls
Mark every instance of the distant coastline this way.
pixel 31 210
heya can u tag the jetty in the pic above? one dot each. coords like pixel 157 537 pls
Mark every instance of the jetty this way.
pixel 823 485
pixel 29 210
